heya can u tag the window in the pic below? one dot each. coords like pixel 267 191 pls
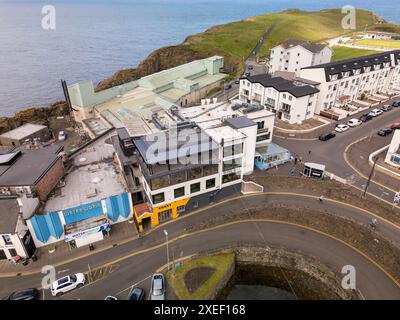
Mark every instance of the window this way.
pixel 158 183
pixel 195 187
pixel 180 192
pixel 7 239
pixel 233 150
pixel 12 252
pixel 230 177
pixel 210 169
pixel 164 215
pixel 263 137
pixel 260 125
pixel 210 183
pixel 181 209
pixel 178 177
pixel 232 164
pixel 395 159
pixel 195 173
pixel 158 198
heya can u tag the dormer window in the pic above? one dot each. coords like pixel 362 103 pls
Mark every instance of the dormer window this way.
pixel 377 67
pixel 357 71
pixel 367 69
pixel 333 76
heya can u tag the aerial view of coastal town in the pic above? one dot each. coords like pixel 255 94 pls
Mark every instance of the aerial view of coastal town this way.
pixel 199 150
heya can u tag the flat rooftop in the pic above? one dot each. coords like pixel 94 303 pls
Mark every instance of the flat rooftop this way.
pixel 215 114
pixel 23 131
pixel 27 167
pixel 93 177
pixel 9 211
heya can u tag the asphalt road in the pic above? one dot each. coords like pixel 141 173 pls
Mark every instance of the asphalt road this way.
pixel 370 280
pixel 115 271
pixel 331 152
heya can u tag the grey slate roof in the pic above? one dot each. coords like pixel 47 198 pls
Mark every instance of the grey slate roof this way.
pixel 29 167
pixel 167 145
pixel 9 210
pixel 240 122
pixel 338 67
pixel 310 46
pixel 295 88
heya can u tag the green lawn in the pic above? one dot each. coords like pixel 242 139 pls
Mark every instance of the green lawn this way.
pixel 220 263
pixel 234 41
pixel 378 43
pixel 343 53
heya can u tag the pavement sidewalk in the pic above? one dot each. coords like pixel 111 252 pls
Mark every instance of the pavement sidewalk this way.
pixel 120 233
pixel 358 155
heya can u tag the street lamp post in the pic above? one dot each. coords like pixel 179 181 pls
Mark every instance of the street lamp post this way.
pixel 166 237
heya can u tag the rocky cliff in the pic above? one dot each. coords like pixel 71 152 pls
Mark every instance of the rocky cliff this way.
pixel 161 59
pixel 33 115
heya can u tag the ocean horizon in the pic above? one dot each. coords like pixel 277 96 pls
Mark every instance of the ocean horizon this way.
pixel 94 38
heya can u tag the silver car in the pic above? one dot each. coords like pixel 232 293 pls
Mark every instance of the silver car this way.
pixel 157 291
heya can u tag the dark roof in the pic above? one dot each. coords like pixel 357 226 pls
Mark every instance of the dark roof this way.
pixel 171 145
pixel 240 122
pixel 9 211
pixel 295 88
pixel 310 46
pixel 29 167
pixel 338 67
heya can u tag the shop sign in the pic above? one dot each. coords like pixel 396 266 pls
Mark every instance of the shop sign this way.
pixel 84 233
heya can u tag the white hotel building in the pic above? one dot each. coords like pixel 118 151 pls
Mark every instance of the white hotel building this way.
pixel 292 55
pixel 345 81
pixel 292 101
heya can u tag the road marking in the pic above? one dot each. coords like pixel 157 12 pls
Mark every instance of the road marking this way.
pixel 301 139
pixel 155 229
pixel 356 170
pixel 247 221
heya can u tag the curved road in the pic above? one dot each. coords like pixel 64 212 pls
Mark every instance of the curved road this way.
pixel 331 152
pixel 118 268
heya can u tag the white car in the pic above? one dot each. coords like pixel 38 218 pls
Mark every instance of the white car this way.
pixel 62 136
pixel 157 291
pixel 354 122
pixel 342 127
pixel 375 112
pixel 68 283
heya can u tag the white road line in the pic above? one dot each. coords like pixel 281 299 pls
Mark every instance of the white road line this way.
pixel 134 285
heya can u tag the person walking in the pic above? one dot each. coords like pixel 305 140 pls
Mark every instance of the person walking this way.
pixel 309 152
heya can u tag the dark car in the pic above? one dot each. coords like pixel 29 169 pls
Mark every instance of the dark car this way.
pixel 386 108
pixel 366 117
pixel 396 103
pixel 327 136
pixel 250 67
pixel 247 74
pixel 136 294
pixel 27 294
pixel 384 132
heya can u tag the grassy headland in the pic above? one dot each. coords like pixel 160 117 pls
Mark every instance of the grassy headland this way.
pixel 234 41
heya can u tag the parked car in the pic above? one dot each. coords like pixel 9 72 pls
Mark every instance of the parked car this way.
pixel 342 128
pixel 136 294
pixel 384 132
pixel 68 283
pixel 386 108
pixel 327 136
pixel 247 74
pixel 62 136
pixel 27 294
pixel 366 117
pixel 396 103
pixel 375 112
pixel 237 81
pixel 250 67
pixel 227 86
pixel 354 122
pixel 157 291
pixel 395 126
pixel 110 298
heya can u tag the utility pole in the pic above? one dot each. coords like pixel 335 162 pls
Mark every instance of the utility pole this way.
pixel 370 176
pixel 166 237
